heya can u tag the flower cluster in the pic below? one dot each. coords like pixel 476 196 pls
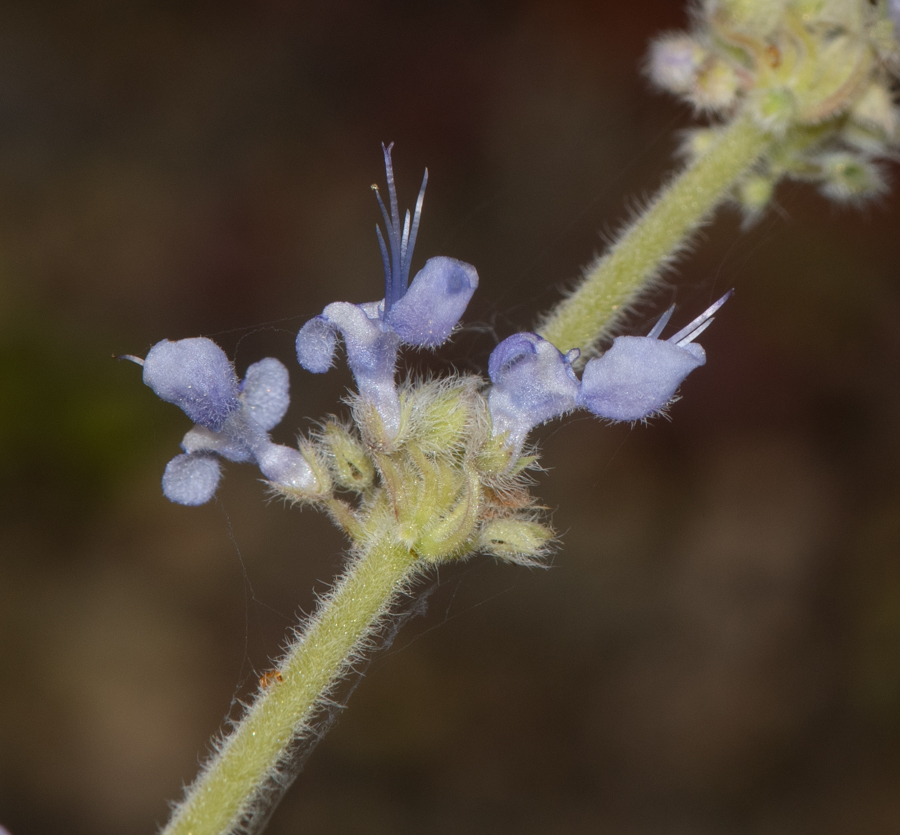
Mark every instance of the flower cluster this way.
pixel 815 74
pixel 438 465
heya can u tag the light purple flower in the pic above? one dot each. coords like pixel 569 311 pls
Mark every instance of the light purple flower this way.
pixel 232 419
pixel 533 382
pixel 422 313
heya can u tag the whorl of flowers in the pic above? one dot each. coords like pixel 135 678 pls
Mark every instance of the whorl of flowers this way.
pixel 437 466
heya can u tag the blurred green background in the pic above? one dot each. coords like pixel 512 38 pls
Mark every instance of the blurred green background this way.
pixel 716 648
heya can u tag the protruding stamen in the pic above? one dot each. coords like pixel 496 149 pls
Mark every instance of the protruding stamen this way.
pixel 404 241
pixel 659 327
pixel 414 230
pixel 394 227
pixel 700 324
pixel 397 250
pixel 695 333
pixel 130 358
pixel 384 212
pixel 385 258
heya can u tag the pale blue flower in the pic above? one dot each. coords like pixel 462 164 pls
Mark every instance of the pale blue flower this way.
pixel 232 418
pixel 534 382
pixel 422 313
pixel 639 375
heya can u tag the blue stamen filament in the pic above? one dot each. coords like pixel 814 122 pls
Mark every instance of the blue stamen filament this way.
pixel 397 251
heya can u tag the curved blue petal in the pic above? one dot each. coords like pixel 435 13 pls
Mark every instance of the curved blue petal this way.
pixel 191 479
pixel 265 392
pixel 371 349
pixel 315 345
pixel 533 383
pixel 509 353
pixel 196 376
pixel 638 376
pixel 434 302
pixel 371 355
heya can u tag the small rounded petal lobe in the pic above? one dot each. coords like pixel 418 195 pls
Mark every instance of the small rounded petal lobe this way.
pixel 315 345
pixel 191 479
pixel 196 376
pixel 637 377
pixel 265 392
pixel 434 303
pixel 285 466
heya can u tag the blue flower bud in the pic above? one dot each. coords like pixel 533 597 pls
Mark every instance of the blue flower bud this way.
pixel 284 465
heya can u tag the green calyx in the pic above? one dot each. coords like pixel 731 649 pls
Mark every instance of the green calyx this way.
pixel 443 487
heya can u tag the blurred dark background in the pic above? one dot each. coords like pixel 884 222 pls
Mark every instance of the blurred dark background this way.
pixel 716 647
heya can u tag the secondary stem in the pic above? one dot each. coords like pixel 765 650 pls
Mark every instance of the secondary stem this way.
pixel 616 279
pixel 225 790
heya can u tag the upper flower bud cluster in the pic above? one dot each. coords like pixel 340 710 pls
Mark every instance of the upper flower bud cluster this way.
pixel 816 74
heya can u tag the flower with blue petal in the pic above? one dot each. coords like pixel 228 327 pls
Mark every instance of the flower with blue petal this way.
pixel 422 313
pixel 534 382
pixel 638 376
pixel 232 418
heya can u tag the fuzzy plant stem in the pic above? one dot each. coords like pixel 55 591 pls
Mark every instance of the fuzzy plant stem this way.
pixel 617 279
pixel 248 760
pixel 234 782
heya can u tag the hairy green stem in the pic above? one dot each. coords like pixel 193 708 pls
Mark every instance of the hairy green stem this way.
pixel 233 783
pixel 615 280
pixel 249 758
